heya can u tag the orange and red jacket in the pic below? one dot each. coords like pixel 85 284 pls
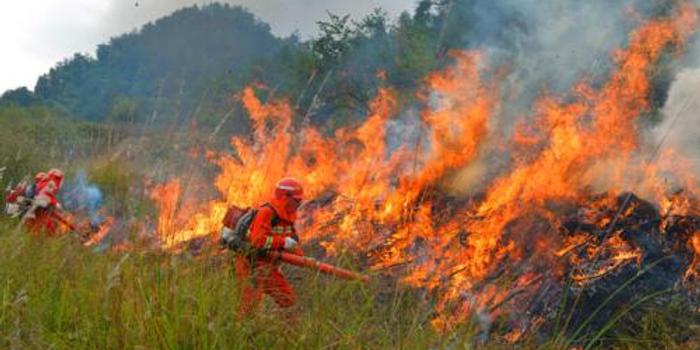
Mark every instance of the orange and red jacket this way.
pixel 271 225
pixel 48 189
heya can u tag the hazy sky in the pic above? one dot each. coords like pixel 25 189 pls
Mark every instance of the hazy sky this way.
pixel 36 34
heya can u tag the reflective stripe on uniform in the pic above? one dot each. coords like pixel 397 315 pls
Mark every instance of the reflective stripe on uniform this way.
pixel 268 243
pixel 281 230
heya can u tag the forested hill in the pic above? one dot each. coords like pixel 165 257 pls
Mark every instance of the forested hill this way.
pixel 186 66
pixel 168 62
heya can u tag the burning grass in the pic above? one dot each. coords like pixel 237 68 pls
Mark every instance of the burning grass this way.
pixel 384 201
pixel 58 294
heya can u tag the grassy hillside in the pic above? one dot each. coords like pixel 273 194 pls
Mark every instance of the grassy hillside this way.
pixel 37 138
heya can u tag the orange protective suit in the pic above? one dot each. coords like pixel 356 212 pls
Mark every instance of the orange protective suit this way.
pixel 273 223
pixel 42 218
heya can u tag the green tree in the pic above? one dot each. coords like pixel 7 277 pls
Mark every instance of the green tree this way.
pixel 124 110
pixel 168 64
pixel 19 97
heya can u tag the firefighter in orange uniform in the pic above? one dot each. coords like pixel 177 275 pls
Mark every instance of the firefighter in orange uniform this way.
pixel 40 216
pixel 271 229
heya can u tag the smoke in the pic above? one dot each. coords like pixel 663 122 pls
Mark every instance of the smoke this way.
pixel 80 195
pixel 406 131
pixel 549 44
pixel 680 127
pixel 470 180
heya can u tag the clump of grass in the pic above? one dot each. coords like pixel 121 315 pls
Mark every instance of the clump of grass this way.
pixel 676 325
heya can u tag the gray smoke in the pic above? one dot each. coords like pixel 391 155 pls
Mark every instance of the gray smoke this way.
pixel 551 44
pixel 683 104
pixel 680 128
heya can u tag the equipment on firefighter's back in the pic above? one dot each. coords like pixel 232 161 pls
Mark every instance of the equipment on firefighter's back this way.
pixel 235 238
pixel 19 199
pixel 31 205
pixel 12 209
pixel 20 208
pixel 235 234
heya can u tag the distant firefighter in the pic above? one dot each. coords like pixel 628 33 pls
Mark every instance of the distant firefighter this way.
pixel 36 203
pixel 41 216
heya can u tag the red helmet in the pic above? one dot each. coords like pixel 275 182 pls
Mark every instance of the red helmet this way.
pixel 40 176
pixel 289 187
pixel 56 175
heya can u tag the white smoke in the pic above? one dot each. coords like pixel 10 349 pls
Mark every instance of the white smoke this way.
pixel 550 44
pixel 680 128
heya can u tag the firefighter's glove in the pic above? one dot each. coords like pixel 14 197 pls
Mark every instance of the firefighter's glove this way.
pixel 290 243
pixel 226 234
pixel 12 209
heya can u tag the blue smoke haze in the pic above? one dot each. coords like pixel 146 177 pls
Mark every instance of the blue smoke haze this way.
pixel 80 195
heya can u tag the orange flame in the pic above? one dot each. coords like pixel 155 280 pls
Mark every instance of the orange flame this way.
pixel 561 171
pixel 166 197
pixel 693 271
pixel 101 233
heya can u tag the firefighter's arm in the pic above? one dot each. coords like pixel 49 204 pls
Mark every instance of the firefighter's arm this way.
pixel 42 201
pixel 261 236
pixel 46 196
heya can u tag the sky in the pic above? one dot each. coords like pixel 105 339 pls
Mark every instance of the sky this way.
pixel 37 34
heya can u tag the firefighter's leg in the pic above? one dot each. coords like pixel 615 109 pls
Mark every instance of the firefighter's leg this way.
pixel 279 289
pixel 34 226
pixel 251 292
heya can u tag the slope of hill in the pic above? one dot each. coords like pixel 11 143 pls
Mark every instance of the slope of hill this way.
pixel 161 63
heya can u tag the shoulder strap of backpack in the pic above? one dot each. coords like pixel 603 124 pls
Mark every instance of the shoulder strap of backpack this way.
pixel 275 217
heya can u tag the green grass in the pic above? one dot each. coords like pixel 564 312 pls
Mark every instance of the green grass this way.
pixel 37 139
pixel 56 294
